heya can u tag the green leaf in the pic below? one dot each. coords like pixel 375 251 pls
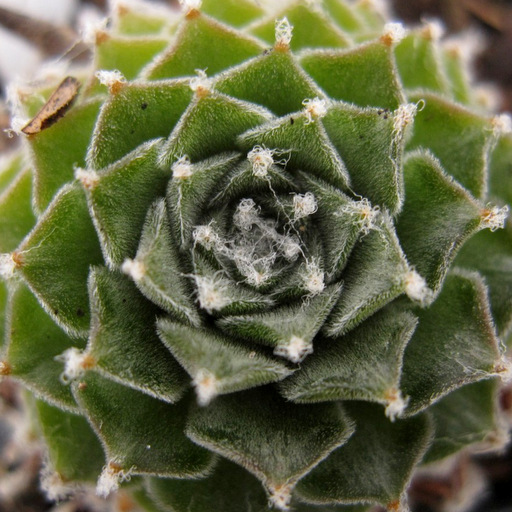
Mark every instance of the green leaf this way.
pixel 364 75
pixel 276 441
pixel 286 84
pixel 131 20
pixel 123 340
pixel 490 253
pixel 16 215
pixel 344 15
pixel 456 70
pixel 365 364
pixel 437 218
pixel 459 138
pixel 454 344
pixel 217 364
pixel 120 196
pixel 419 62
pixel 55 257
pixel 500 170
pixel 374 466
pixel 375 275
pixel 156 268
pixel 141 435
pixel 303 143
pixel 190 190
pixel 69 440
pixel 291 329
pixel 127 54
pixel 233 12
pixel 33 343
pixel 137 113
pixel 203 43
pixel 311 28
pixel 464 417
pixel 11 165
pixel 371 147
pixel 59 149
pixel 197 137
pixel 3 306
pixel 230 488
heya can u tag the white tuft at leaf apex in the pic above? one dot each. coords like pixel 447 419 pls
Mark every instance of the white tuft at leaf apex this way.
pixel 88 179
pixel 394 32
pixel 503 369
pixel 315 108
pixel 395 404
pixel 182 168
pixel 200 84
pixel 210 293
pixel 416 287
pixel 205 384
pixel 295 350
pixel 280 496
pixel 110 479
pixel 493 217
pixel 433 30
pixel 191 5
pixel 261 160
pixel 304 205
pixel 7 266
pixel 76 362
pixel 283 32
pixel 206 236
pixel 404 115
pixel 114 79
pixel 314 278
pixel 502 124
pixel 133 268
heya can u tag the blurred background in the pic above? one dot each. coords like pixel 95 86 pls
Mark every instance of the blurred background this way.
pixel 33 32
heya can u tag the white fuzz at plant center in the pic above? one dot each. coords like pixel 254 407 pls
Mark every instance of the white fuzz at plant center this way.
pixel 504 369
pixel 133 268
pixel 494 217
pixel 200 83
pixel 403 116
pixel 205 384
pixel 295 350
pixel 182 168
pixel 88 179
pixel 191 5
pixel 7 266
pixel 395 404
pixel 280 496
pixel 76 362
pixel 261 159
pixel 246 214
pixel 304 205
pixel 206 236
pixel 114 80
pixel 314 109
pixel 365 214
pixel 394 32
pixel 283 33
pixel 416 287
pixel 110 479
pixel 502 125
pixel 314 278
pixel 210 293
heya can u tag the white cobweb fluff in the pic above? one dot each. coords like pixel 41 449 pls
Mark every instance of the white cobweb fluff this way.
pixel 191 5
pixel 133 268
pixel 502 124
pixel 315 108
pixel 110 78
pixel 494 217
pixel 403 116
pixel 395 32
pixel 395 405
pixel 7 266
pixel 416 287
pixel 182 168
pixel 304 205
pixel 280 496
pixel 110 479
pixel 261 160
pixel 314 278
pixel 75 363
pixel 295 350
pixel 88 178
pixel 200 82
pixel 205 384
pixel 283 32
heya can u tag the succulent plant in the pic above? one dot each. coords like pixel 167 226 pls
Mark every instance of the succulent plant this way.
pixel 257 258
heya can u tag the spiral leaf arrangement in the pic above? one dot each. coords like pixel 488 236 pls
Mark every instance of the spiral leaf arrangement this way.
pixel 259 261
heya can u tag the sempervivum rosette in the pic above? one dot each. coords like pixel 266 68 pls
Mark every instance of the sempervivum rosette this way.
pixel 240 257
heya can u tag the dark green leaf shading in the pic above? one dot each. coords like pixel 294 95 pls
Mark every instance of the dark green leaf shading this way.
pixel 55 259
pixel 233 12
pixel 291 329
pixel 156 268
pixel 59 149
pixel 459 138
pixel 371 148
pixel 374 276
pixel 70 439
pixel 464 417
pixel 286 84
pixel 437 218
pixel 229 489
pixel 311 28
pixel 419 63
pixel 210 126
pixel 376 463
pixel 365 364
pixel 123 340
pixel 303 143
pixel 491 255
pixel 127 54
pixel 276 441
pixel 120 196
pixel 137 113
pixel 33 343
pixel 454 344
pixel 216 363
pixel 203 43
pixel 16 215
pixel 146 439
pixel 365 75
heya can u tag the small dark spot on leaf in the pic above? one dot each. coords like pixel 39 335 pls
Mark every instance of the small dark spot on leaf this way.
pixel 55 311
pixel 292 120
pixel 144 106
pixel 132 131
pixel 124 300
pixel 267 51
pixel 80 312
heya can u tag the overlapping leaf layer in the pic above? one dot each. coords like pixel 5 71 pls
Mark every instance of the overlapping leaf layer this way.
pixel 260 261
